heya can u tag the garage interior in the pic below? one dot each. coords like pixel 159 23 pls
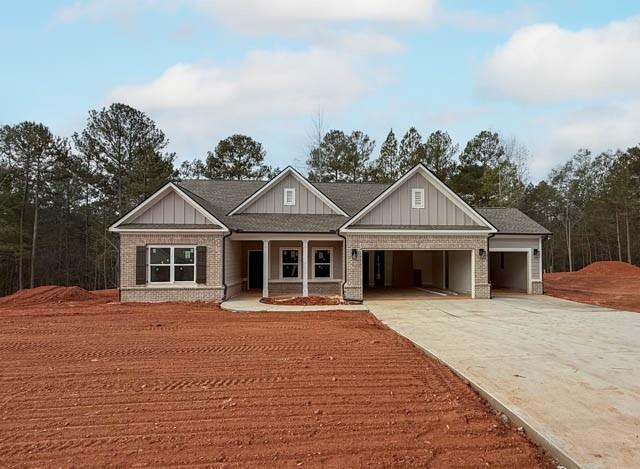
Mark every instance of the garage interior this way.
pixel 433 274
pixel 508 271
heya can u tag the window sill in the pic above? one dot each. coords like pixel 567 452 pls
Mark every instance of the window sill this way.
pixel 311 280
pixel 174 285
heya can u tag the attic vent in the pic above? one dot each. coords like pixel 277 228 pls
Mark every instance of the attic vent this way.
pixel 289 196
pixel 417 198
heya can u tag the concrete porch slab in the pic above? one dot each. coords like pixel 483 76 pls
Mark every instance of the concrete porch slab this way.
pixel 251 303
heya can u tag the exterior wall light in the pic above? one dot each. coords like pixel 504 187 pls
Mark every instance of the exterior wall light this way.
pixel 482 252
pixel 536 252
pixel 354 254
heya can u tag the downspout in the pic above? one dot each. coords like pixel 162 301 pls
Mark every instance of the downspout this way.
pixel 224 264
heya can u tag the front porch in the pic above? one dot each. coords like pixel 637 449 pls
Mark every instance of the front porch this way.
pixel 286 264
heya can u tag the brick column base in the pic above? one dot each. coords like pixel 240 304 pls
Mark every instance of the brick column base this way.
pixel 537 288
pixel 483 291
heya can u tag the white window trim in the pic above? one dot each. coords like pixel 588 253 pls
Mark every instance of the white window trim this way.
pixel 292 191
pixel 171 265
pixel 313 262
pixel 413 198
pixel 281 264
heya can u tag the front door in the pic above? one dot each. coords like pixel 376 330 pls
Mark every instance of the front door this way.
pixel 378 268
pixel 255 269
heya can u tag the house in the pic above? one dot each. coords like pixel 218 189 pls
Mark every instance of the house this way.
pixel 208 240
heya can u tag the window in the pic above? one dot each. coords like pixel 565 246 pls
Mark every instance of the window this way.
pixel 322 258
pixel 290 259
pixel 417 198
pixel 289 196
pixel 169 264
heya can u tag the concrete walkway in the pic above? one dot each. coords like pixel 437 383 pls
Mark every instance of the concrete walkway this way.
pixel 569 373
pixel 251 303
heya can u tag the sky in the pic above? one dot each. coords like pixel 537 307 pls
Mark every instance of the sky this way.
pixel 555 75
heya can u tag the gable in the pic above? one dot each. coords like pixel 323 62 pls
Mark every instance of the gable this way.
pixel 396 208
pixel 439 209
pixel 303 197
pixel 168 208
pixel 172 209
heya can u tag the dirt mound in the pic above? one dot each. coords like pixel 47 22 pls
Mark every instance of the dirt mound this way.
pixel 47 294
pixel 303 301
pixel 614 268
pixel 605 283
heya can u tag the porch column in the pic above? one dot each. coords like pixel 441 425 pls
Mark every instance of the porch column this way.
pixel 265 268
pixel 305 267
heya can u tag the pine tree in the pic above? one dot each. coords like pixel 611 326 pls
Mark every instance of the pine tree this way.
pixel 237 157
pixel 440 154
pixel 411 150
pixel 127 150
pixel 387 166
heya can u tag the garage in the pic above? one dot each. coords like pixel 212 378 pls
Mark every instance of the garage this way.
pixel 416 273
pixel 508 271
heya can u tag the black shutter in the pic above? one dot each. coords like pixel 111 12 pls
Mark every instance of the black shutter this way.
pixel 141 265
pixel 201 264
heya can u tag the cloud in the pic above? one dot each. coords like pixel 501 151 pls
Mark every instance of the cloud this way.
pixel 199 100
pixel 268 16
pixel 545 63
pixel 598 127
pixel 507 20
pixel 360 26
pixel 120 12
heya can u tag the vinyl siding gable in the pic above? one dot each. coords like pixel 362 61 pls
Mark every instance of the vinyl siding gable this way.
pixel 272 201
pixel 172 209
pixel 396 209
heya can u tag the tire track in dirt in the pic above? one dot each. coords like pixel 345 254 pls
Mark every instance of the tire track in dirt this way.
pixel 166 385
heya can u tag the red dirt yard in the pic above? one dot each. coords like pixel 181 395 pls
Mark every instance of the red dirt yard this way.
pixel 612 284
pixel 100 383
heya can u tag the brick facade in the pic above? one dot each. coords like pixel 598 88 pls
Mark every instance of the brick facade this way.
pixel 537 288
pixel 213 290
pixel 359 242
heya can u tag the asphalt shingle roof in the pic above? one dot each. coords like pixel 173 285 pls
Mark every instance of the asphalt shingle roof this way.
pixel 170 226
pixel 512 221
pixel 221 197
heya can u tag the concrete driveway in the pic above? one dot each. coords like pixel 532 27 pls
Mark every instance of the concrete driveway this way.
pixel 566 372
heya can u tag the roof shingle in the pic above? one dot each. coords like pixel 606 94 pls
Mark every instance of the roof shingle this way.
pixel 221 197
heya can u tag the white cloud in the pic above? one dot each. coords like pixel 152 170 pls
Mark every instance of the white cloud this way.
pixel 202 100
pixel 546 63
pixel 361 42
pixel 360 26
pixel 269 16
pixel 597 127
pixel 506 20
pixel 260 16
pixel 120 12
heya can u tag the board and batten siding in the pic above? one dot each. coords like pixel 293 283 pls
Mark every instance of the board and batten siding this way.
pixel 516 243
pixel 396 209
pixel 172 209
pixel 272 201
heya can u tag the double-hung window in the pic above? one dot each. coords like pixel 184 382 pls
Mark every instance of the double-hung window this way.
pixel 322 258
pixel 290 263
pixel 172 264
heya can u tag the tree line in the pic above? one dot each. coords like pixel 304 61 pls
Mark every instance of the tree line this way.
pixel 60 194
